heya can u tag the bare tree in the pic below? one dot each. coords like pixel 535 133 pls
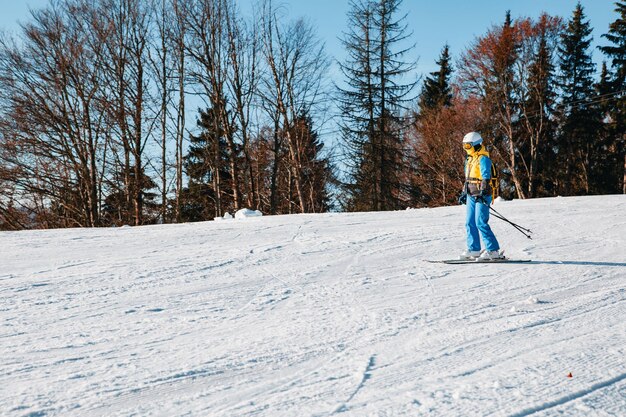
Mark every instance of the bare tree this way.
pixel 177 37
pixel 52 99
pixel 294 82
pixel 129 26
pixel 161 60
pixel 434 140
pixel 93 101
pixel 242 80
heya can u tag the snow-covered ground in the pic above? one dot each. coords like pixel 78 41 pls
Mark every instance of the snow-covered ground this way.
pixel 319 315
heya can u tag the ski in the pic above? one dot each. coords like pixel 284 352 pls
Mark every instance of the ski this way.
pixel 474 261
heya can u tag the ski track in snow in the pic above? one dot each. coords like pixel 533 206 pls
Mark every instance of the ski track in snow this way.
pixel 319 315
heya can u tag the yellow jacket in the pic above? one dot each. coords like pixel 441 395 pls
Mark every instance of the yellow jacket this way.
pixel 478 171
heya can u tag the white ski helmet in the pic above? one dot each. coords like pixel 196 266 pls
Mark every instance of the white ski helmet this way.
pixel 473 138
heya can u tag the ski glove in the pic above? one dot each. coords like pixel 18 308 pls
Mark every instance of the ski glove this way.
pixel 463 198
pixel 485 190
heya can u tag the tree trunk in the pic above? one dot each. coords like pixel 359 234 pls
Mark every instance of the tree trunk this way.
pixel 295 160
pixel 180 111
pixel 234 171
pixel 533 165
pixel 164 97
pixel 382 203
pixel 217 179
pixel 138 145
pixel 624 177
pixel 513 168
pixel 274 181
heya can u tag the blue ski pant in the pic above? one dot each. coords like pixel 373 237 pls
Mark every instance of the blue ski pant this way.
pixel 477 219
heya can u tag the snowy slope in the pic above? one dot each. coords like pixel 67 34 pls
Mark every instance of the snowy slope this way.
pixel 319 315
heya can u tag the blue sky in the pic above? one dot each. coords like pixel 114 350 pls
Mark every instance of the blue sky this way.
pixel 457 22
pixel 433 23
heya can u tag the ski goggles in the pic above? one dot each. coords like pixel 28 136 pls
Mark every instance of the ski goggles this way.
pixel 467 146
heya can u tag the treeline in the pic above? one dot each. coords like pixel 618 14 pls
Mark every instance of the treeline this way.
pixel 95 97
pixel 530 87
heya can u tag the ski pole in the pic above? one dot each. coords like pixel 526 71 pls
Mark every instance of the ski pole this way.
pixel 522 230
pixel 518 227
pixel 504 218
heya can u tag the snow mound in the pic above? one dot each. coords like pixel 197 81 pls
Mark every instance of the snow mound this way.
pixel 227 216
pixel 245 213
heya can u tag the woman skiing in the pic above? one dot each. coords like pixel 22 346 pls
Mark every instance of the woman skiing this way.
pixel 477 194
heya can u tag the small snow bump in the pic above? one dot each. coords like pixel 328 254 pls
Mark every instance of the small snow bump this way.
pixel 227 216
pixel 532 300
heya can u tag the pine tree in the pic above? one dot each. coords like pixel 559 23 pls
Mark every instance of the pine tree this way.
pixel 316 170
pixel 579 118
pixel 606 162
pixel 117 210
pixel 617 112
pixel 358 106
pixel 206 164
pixel 372 102
pixel 436 92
